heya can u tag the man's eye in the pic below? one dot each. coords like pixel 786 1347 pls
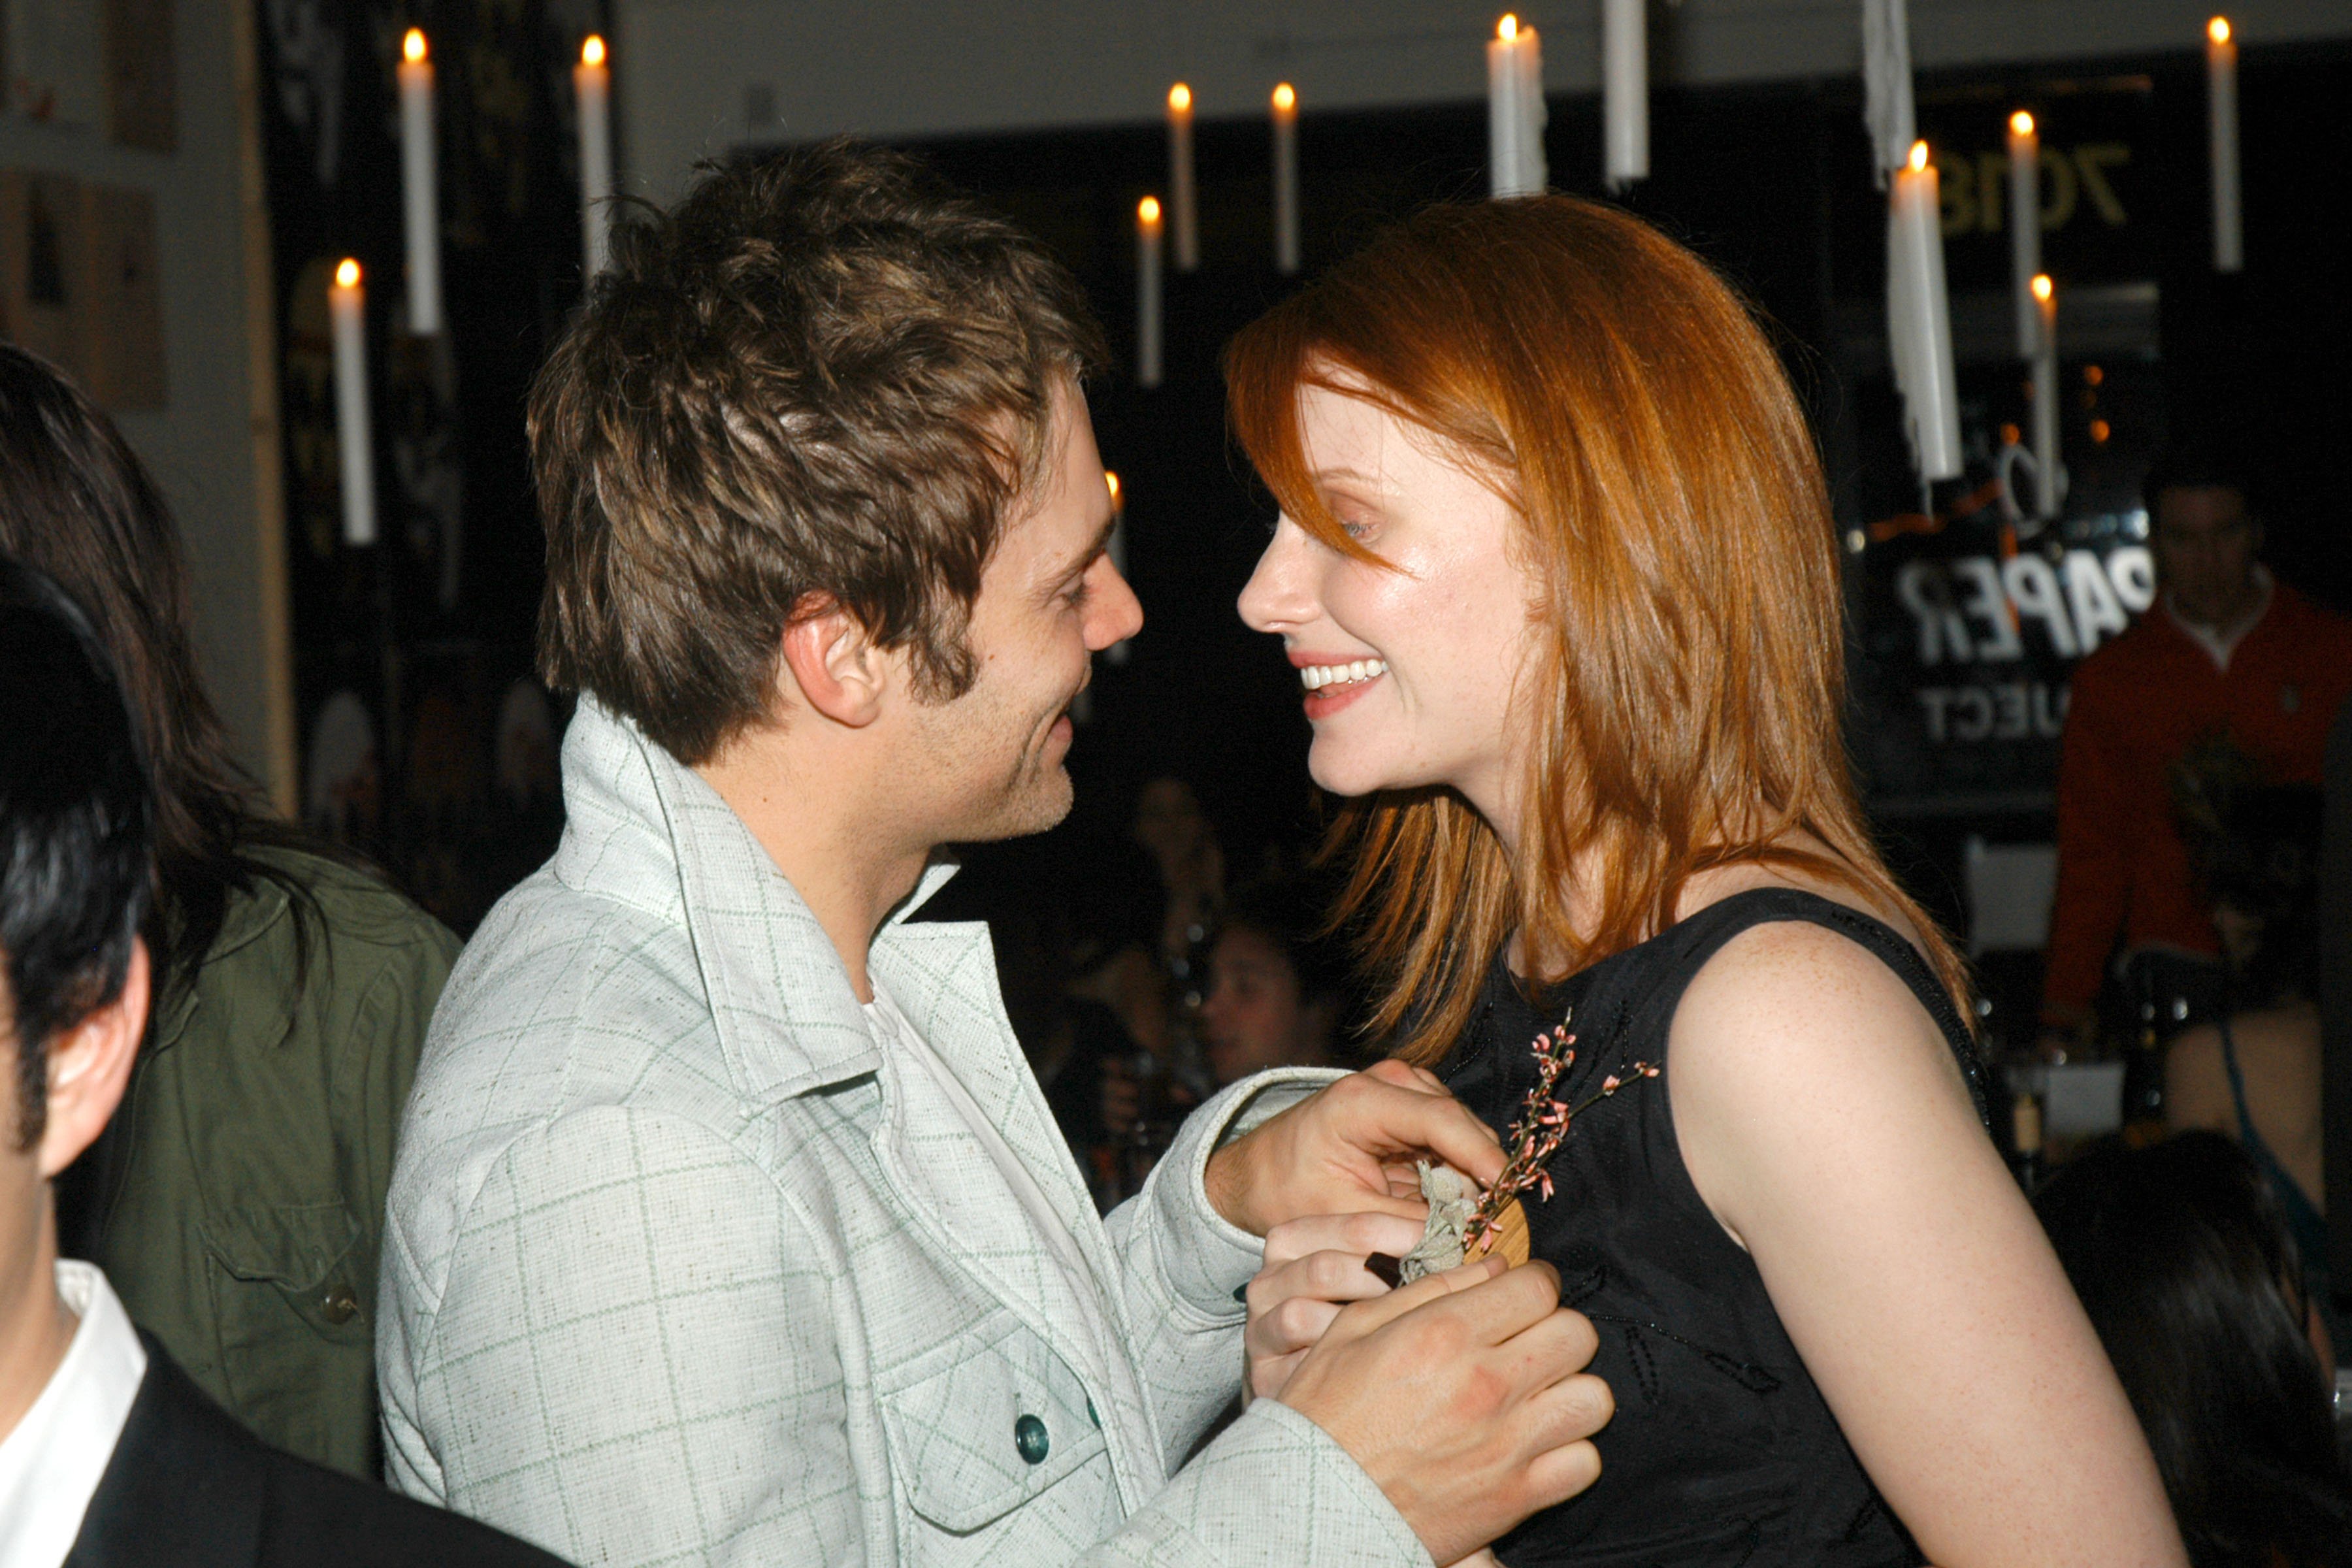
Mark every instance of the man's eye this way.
pixel 1078 594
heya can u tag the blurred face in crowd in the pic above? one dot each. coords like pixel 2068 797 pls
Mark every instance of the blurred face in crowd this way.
pixel 1410 664
pixel 1253 1016
pixel 1049 600
pixel 2205 543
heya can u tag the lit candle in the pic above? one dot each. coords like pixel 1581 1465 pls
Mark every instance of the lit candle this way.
pixel 418 185
pixel 2221 114
pixel 1150 232
pixel 2025 226
pixel 1624 92
pixel 592 88
pixel 1285 179
pixel 347 306
pixel 2046 397
pixel 1117 653
pixel 1515 111
pixel 1179 178
pixel 1918 322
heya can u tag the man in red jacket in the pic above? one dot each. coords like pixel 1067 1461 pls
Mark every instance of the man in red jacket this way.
pixel 2226 650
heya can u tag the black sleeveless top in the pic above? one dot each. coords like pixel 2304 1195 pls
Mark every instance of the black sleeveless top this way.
pixel 1722 1450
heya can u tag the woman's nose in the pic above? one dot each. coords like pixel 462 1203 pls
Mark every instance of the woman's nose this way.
pixel 1277 595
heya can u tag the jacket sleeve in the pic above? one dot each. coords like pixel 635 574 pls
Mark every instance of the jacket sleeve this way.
pixel 635 1358
pixel 1274 1491
pixel 2094 862
pixel 1181 1266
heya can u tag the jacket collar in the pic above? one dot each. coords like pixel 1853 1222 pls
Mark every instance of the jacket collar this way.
pixel 646 831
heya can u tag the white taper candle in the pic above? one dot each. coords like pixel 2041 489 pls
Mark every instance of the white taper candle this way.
pixel 1516 112
pixel 419 185
pixel 1183 204
pixel 592 88
pixel 1151 229
pixel 2222 116
pixel 2045 397
pixel 1918 319
pixel 2025 228
pixel 354 447
pixel 1285 179
pixel 1624 92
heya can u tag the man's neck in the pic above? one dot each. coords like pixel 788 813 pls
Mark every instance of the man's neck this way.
pixel 35 1328
pixel 831 835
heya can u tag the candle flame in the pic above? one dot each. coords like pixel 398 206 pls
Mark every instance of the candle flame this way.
pixel 412 45
pixel 1286 98
pixel 1507 29
pixel 2043 286
pixel 1918 156
pixel 1148 210
pixel 2218 29
pixel 2021 123
pixel 347 276
pixel 1180 98
pixel 1111 479
pixel 592 53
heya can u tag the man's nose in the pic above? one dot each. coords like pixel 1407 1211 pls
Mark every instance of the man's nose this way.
pixel 1116 614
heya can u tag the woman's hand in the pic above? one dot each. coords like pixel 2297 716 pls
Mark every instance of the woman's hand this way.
pixel 1313 1267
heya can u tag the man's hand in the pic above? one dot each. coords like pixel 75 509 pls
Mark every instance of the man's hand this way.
pixel 1460 1397
pixel 1335 1152
pixel 1313 1267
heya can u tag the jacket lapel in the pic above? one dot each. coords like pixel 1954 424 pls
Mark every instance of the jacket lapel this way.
pixel 184 1487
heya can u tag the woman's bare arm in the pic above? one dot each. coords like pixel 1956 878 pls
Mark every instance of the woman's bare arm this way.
pixel 1823 1121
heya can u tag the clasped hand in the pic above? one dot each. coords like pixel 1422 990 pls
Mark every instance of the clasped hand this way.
pixel 1462 1394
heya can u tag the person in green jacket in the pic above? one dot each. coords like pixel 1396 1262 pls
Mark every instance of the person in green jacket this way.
pixel 236 1201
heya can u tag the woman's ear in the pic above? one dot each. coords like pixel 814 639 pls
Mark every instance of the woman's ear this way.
pixel 89 1065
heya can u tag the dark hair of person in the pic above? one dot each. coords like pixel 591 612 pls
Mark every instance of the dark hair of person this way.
pixel 75 502
pixel 2181 1259
pixel 76 826
pixel 1294 913
pixel 2199 466
pixel 820 377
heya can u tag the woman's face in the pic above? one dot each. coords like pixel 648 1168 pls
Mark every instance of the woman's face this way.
pixel 1409 673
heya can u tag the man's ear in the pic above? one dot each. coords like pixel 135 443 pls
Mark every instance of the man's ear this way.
pixel 840 672
pixel 89 1065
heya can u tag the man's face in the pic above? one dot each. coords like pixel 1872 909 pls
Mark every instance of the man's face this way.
pixel 2205 543
pixel 1049 600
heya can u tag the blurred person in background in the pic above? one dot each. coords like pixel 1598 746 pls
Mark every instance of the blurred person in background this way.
pixel 2184 1265
pixel 1183 843
pixel 110 1456
pixel 2253 1072
pixel 237 1203
pixel 2226 650
pixel 1277 987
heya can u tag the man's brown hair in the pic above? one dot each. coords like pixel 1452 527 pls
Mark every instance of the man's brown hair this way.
pixel 821 377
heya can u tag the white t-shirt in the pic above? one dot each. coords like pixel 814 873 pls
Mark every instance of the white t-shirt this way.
pixel 51 1463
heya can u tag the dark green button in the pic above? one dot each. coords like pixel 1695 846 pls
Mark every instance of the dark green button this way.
pixel 1029 1438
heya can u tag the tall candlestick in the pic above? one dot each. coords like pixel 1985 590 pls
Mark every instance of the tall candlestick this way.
pixel 2025 226
pixel 1150 232
pixel 347 306
pixel 1515 112
pixel 592 88
pixel 2221 116
pixel 1285 179
pixel 1624 92
pixel 2045 397
pixel 1886 99
pixel 419 186
pixel 1183 208
pixel 1918 321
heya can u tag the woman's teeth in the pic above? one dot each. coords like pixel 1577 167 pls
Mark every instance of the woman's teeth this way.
pixel 1315 677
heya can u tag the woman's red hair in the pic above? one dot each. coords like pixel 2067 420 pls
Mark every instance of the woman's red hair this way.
pixel 1690 694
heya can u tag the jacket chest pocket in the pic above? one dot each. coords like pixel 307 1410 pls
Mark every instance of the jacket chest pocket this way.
pixel 290 1287
pixel 992 1429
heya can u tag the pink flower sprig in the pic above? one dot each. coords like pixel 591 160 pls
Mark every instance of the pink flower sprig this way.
pixel 1542 1129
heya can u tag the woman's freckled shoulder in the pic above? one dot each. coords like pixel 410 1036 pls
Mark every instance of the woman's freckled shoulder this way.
pixel 1790 994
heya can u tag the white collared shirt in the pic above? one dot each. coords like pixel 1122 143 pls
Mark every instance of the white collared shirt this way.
pixel 2220 642
pixel 51 1463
